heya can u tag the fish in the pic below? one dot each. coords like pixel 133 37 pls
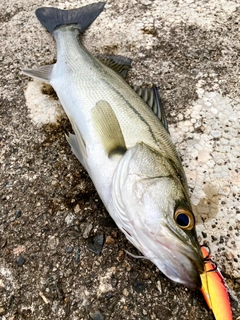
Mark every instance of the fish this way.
pixel 214 289
pixel 121 138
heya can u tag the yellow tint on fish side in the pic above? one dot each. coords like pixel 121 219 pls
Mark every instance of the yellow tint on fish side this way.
pixel 214 290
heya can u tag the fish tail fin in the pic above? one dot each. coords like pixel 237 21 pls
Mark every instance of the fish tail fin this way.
pixel 51 18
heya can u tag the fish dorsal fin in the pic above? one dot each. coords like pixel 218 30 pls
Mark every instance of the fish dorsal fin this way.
pixel 151 97
pixel 108 129
pixel 117 63
pixel 77 144
pixel 42 73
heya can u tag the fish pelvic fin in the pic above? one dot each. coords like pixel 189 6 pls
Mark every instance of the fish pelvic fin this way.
pixel 42 73
pixel 52 18
pixel 76 148
pixel 77 144
pixel 108 129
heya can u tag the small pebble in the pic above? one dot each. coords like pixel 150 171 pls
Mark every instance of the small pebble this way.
pixel 114 282
pixel 69 249
pixel 95 243
pixel 96 316
pixel 20 261
pixel 109 240
pixel 76 228
pixel 213 238
pixel 114 234
pixel 109 295
pixel 2 311
pixel 204 234
pixel 221 239
pixel 77 255
pixel 144 312
pixel 125 292
pixel 18 213
pixel 139 286
pixel 77 208
pixel 87 229
pixel 69 219
pixel 229 255
pixel 121 255
pixel 147 275
pixel 159 287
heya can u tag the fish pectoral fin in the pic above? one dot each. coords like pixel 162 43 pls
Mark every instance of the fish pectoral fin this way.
pixel 117 63
pixel 77 144
pixel 42 73
pixel 108 129
pixel 151 97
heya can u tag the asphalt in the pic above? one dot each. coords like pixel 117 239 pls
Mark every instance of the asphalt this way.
pixel 61 255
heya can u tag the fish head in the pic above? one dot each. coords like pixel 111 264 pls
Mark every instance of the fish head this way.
pixel 154 212
pixel 168 234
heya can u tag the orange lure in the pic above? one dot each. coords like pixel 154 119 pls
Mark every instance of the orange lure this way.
pixel 214 289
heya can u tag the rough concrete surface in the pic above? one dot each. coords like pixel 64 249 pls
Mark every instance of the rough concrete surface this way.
pixel 50 212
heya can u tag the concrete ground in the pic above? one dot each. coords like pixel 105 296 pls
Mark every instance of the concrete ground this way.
pixel 52 222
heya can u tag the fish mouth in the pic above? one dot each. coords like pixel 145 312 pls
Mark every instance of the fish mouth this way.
pixel 190 278
pixel 188 264
pixel 182 264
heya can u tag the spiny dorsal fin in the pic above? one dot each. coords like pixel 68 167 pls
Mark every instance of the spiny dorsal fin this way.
pixel 51 18
pixel 42 73
pixel 118 63
pixel 151 97
pixel 108 129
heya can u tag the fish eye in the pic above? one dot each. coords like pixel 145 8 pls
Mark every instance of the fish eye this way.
pixel 184 218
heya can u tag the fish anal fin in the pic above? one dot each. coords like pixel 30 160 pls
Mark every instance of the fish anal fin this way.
pixel 152 98
pixel 108 129
pixel 118 63
pixel 72 140
pixel 42 73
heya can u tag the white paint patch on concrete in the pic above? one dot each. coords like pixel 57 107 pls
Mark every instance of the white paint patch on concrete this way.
pixel 209 143
pixel 42 108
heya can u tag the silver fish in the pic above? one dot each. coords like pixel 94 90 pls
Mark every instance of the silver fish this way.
pixel 122 140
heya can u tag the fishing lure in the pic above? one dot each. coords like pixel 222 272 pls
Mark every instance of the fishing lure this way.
pixel 214 288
